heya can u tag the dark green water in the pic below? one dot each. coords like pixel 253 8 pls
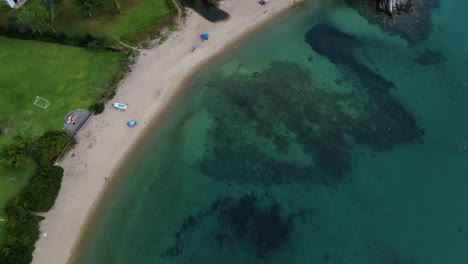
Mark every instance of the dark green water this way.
pixel 321 139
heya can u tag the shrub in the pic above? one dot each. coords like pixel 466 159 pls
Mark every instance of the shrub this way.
pixel 97 44
pixel 41 191
pixel 22 228
pixel 16 154
pixel 83 41
pixel 62 37
pixel 48 147
pixel 22 233
pixel 97 108
pixel 112 94
pixel 171 5
pixel 4 6
pixel 15 30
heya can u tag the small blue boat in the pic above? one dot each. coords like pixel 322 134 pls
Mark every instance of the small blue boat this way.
pixel 120 106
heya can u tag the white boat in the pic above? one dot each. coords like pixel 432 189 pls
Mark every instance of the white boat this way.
pixel 120 106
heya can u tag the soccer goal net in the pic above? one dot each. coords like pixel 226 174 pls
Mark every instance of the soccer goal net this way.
pixel 41 102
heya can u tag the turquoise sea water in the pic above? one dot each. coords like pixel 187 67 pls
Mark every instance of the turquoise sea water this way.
pixel 350 147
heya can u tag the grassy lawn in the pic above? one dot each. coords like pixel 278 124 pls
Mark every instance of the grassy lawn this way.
pixel 68 77
pixel 137 17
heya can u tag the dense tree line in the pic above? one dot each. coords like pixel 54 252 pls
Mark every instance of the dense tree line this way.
pixel 39 194
pixel 39 15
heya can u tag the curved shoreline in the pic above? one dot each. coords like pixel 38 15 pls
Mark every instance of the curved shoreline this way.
pixel 105 143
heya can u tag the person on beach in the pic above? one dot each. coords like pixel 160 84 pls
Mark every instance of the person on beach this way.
pixel 73 119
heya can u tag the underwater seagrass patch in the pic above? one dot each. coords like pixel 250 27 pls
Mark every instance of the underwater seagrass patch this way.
pixel 258 225
pixel 279 126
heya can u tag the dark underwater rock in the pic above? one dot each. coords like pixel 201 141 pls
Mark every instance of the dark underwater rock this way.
pixel 338 47
pixel 386 254
pixel 430 57
pixel 260 227
pixel 410 19
pixel 394 6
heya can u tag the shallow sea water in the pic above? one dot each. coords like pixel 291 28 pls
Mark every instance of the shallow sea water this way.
pixel 287 151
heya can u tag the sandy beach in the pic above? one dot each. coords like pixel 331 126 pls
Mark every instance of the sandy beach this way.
pixel 105 141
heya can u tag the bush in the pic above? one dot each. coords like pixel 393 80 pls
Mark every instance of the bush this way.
pixel 62 37
pixel 22 233
pixel 43 150
pixel 4 6
pixel 97 108
pixel 171 5
pixel 15 30
pixel 97 44
pixel 16 154
pixel 48 147
pixel 41 191
pixel 112 94
pixel 22 228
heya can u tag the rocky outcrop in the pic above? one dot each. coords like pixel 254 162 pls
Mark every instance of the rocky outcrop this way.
pixel 392 7
pixel 410 19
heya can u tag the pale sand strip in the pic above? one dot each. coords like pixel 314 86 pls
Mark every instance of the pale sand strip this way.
pixel 154 81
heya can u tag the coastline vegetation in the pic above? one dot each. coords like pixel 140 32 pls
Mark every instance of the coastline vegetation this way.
pixel 72 22
pixel 92 78
pixel 39 194
pixel 79 67
pixel 136 22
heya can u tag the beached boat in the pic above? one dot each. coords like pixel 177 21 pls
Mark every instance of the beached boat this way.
pixel 120 106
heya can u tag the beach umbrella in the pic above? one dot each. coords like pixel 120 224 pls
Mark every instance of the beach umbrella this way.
pixel 131 123
pixel 205 36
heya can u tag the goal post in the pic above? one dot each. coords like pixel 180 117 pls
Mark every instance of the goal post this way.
pixel 41 102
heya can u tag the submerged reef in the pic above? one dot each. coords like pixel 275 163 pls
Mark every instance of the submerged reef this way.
pixel 393 7
pixel 430 57
pixel 258 226
pixel 278 126
pixel 385 254
pixel 410 19
pixel 339 48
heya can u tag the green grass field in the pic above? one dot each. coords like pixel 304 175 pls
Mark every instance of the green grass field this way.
pixel 138 19
pixel 68 77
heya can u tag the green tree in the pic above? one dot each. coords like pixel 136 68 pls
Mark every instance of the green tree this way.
pixel 48 147
pixel 16 154
pixel 117 5
pixel 89 5
pixel 52 7
pixel 33 15
pixel 4 6
pixel 22 230
pixel 41 191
